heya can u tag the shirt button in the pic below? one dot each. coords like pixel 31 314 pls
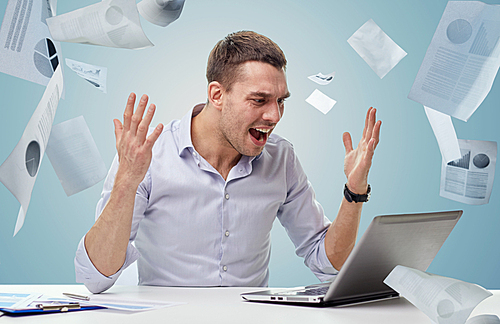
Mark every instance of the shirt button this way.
pixel 227 196
pixel 194 154
pixel 224 268
pixel 227 233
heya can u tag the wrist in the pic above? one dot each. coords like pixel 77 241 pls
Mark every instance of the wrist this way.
pixel 352 196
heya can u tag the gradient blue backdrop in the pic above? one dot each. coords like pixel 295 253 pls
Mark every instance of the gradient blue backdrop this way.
pixel 406 171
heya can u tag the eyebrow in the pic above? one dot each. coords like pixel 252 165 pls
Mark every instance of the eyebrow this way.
pixel 268 95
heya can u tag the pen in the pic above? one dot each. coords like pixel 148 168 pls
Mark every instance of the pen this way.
pixel 75 296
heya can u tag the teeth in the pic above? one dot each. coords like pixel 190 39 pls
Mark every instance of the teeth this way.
pixel 262 130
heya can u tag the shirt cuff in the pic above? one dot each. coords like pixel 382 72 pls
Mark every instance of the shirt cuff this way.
pixel 87 273
pixel 324 271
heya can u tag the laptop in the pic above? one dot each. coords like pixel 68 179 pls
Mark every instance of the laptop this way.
pixel 411 240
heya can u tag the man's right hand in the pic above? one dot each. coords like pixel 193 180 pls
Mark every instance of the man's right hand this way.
pixel 133 147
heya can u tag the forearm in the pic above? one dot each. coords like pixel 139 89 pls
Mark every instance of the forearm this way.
pixel 106 242
pixel 341 235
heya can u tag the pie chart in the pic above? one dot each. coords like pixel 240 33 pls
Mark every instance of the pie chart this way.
pixel 32 158
pixel 459 31
pixel 481 161
pixel 45 57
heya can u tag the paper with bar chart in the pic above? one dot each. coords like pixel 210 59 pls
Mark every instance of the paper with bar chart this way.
pixel 462 60
pixel 19 171
pixel 113 23
pixel 95 75
pixel 27 50
pixel 470 179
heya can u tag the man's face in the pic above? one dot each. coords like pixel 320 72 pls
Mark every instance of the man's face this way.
pixel 253 107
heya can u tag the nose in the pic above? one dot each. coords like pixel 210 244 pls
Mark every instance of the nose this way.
pixel 273 112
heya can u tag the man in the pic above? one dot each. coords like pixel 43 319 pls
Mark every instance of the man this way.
pixel 200 195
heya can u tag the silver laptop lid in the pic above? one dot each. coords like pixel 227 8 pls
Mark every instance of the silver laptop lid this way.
pixel 412 240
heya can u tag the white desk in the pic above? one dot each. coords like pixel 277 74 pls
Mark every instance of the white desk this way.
pixel 224 305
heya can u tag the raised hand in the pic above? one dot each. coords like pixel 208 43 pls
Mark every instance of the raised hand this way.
pixel 132 143
pixel 357 162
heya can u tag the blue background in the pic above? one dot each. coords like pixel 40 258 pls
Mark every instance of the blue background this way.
pixel 405 174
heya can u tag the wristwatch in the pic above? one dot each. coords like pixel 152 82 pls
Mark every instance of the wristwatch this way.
pixel 351 196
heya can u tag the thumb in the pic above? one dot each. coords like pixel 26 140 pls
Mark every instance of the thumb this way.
pixel 346 137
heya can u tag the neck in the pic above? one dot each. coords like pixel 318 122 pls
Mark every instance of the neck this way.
pixel 210 143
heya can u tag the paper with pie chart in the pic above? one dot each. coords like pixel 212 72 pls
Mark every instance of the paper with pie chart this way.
pixel 112 23
pixel 27 50
pixel 470 179
pixel 74 156
pixel 462 60
pixel 444 300
pixel 19 171
pixel 161 12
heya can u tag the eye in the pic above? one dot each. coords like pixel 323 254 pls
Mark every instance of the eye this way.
pixel 259 101
pixel 281 101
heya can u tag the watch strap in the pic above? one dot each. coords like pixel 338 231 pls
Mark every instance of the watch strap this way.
pixel 352 197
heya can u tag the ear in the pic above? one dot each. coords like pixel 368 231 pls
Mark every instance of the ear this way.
pixel 215 94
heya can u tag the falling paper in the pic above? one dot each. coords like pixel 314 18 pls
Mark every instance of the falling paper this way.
pixel 113 23
pixel 484 319
pixel 27 50
pixel 470 179
pixel 378 50
pixel 462 60
pixel 95 75
pixel 443 129
pixel 74 156
pixel 322 79
pixel 444 300
pixel 321 101
pixel 19 171
pixel 161 12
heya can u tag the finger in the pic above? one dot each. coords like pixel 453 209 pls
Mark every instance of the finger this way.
pixel 370 151
pixel 137 117
pixel 366 122
pixel 129 111
pixel 371 123
pixel 346 137
pixel 154 136
pixel 376 132
pixel 118 129
pixel 142 129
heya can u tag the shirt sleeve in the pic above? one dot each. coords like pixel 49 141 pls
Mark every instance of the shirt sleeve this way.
pixel 304 220
pixel 85 270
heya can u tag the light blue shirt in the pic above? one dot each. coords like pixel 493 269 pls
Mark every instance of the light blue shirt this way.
pixel 193 228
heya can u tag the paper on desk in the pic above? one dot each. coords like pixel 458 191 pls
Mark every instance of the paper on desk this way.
pixel 462 60
pixel 74 156
pixel 113 23
pixel 95 75
pixel 484 319
pixel 321 78
pixel 17 300
pixel 470 179
pixel 321 101
pixel 445 134
pixel 27 50
pixel 127 305
pixel 161 12
pixel 378 50
pixel 20 170
pixel 444 300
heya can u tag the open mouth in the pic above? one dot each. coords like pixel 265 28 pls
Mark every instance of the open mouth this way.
pixel 260 134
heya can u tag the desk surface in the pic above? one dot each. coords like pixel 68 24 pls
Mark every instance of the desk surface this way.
pixel 224 305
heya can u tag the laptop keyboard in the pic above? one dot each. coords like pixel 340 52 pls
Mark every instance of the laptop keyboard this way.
pixel 314 291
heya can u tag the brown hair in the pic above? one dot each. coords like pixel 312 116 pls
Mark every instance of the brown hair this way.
pixel 237 48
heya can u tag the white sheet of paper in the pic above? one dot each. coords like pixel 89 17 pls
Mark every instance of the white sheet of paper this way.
pixel 443 129
pixel 74 156
pixel 484 319
pixel 113 23
pixel 462 60
pixel 27 50
pixel 321 101
pixel 127 305
pixel 19 171
pixel 470 179
pixel 161 12
pixel 378 50
pixel 322 79
pixel 444 300
pixel 95 75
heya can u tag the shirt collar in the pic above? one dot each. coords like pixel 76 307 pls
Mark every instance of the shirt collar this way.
pixel 185 140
